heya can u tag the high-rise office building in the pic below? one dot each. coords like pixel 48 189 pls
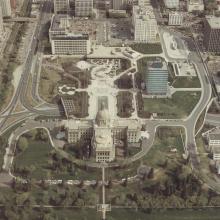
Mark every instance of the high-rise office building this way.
pixel 6 8
pixel 212 34
pixel 172 3
pixel 119 4
pixel 145 24
pixel 156 78
pixel 175 18
pixel 83 8
pixel 64 40
pixel 61 6
pixel 195 5
pixel 144 3
pixel 13 4
pixel 1 24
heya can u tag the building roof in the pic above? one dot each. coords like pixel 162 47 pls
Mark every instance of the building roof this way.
pixel 57 22
pixel 69 27
pixel 130 124
pixel 103 138
pixel 71 37
pixel 77 124
pixel 196 2
pixel 213 21
pixel 214 136
pixel 144 13
pixel 216 149
pixel 157 65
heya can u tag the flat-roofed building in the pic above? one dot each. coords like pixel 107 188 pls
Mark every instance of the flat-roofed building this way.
pixel 214 139
pixel 144 3
pixel 145 25
pixel 172 3
pixel 212 34
pixel 78 131
pixel 195 5
pixel 175 18
pixel 83 8
pixel 216 152
pixel 67 41
pixel 6 8
pixel 70 45
pixel 61 6
pixel 156 78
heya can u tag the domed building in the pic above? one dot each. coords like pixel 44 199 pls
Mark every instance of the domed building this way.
pixel 103 146
pixel 103 133
pixel 102 141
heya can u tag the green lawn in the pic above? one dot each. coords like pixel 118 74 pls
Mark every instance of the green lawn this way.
pixel 186 82
pixel 179 106
pixel 124 104
pixel 165 140
pixel 147 48
pixel 36 156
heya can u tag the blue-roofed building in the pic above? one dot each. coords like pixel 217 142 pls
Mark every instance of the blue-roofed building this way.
pixel 156 78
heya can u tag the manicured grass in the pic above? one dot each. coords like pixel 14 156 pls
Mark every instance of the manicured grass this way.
pixel 48 81
pixel 186 82
pixel 36 156
pixel 124 104
pixel 39 160
pixel 165 140
pixel 147 48
pixel 179 106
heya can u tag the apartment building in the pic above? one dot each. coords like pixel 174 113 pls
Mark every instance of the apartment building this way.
pixel 172 3
pixel 83 8
pixel 61 6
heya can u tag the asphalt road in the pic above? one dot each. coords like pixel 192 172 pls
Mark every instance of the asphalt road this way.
pixel 21 92
pixel 190 123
